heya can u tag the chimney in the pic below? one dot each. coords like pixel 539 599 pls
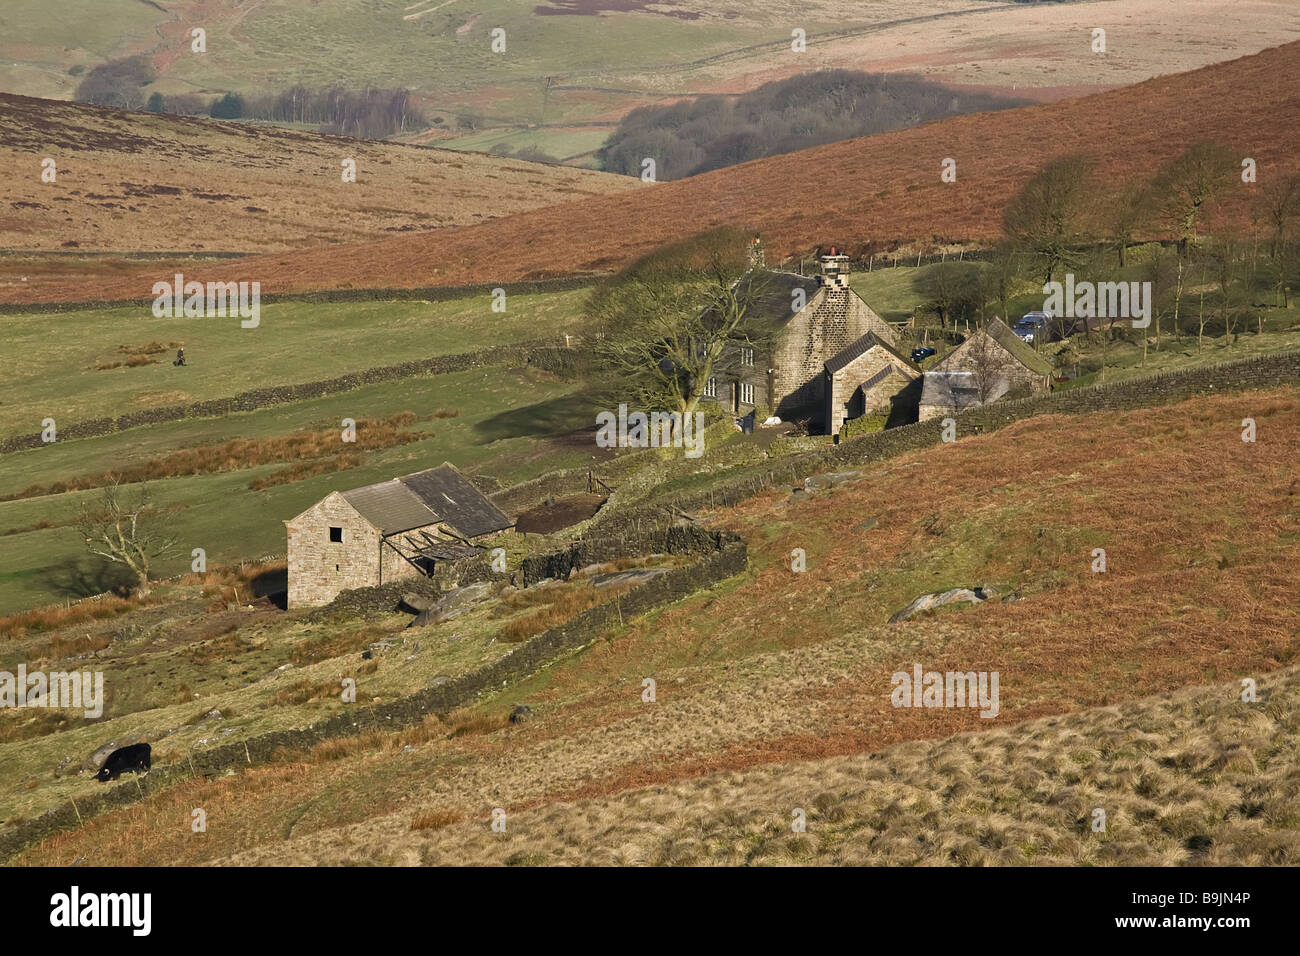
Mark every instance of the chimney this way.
pixel 835 266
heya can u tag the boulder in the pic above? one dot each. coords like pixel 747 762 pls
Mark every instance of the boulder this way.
pixel 928 602
pixel 520 714
pixel 413 603
pixel 829 480
pixel 453 603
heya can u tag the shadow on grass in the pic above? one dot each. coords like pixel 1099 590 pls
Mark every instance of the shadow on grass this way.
pixel 87 576
pixel 548 419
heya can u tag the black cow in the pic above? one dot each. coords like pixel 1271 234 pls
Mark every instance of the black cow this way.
pixel 134 758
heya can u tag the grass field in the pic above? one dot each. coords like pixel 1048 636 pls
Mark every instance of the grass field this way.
pixel 295 342
pixel 510 424
pixel 775 668
pixel 562 144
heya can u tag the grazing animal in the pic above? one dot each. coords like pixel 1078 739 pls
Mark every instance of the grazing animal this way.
pixel 135 758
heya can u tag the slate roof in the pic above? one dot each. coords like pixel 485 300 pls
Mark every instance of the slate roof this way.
pixel 1023 352
pixel 860 348
pixel 949 390
pixel 773 294
pixel 879 377
pixel 456 502
pixel 391 506
pixel 439 495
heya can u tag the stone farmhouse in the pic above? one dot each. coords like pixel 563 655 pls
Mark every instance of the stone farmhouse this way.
pixel 867 377
pixel 787 378
pixel 383 532
pixel 992 363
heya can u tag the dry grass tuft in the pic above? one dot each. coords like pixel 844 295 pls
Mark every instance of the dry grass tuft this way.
pixel 435 819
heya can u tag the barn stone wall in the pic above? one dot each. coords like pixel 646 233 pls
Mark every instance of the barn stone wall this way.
pixel 319 568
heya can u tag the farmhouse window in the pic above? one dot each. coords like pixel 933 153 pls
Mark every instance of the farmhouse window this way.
pixel 336 535
pixel 746 356
pixel 746 393
pixel 711 387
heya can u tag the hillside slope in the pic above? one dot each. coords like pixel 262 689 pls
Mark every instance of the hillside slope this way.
pixel 880 188
pixel 1197 777
pixel 129 181
pixel 776 667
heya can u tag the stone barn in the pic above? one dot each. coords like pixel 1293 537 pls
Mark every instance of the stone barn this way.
pixel 992 363
pixel 869 376
pixel 788 378
pixel 379 533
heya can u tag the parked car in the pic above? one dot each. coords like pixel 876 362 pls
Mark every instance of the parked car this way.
pixel 1034 325
pixel 921 353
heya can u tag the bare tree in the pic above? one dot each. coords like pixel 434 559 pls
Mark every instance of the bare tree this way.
pixel 1224 259
pixel 1001 275
pixel 1281 212
pixel 1157 272
pixel 987 363
pixel 1185 188
pixel 951 290
pixel 126 528
pixel 1123 213
pixel 659 329
pixel 1050 215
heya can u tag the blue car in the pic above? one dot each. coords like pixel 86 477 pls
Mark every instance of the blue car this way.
pixel 921 353
pixel 1033 325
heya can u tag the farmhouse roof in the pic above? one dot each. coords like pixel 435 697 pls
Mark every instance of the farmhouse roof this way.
pixel 456 502
pixel 860 348
pixel 434 496
pixel 1014 344
pixel 772 294
pixel 949 390
pixel 391 506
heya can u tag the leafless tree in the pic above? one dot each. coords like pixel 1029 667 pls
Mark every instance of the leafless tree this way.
pixel 660 329
pixel 1050 217
pixel 126 528
pixel 987 363
pixel 1185 188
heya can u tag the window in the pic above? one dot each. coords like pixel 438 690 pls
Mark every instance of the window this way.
pixel 746 356
pixel 746 393
pixel 711 388
pixel 336 535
